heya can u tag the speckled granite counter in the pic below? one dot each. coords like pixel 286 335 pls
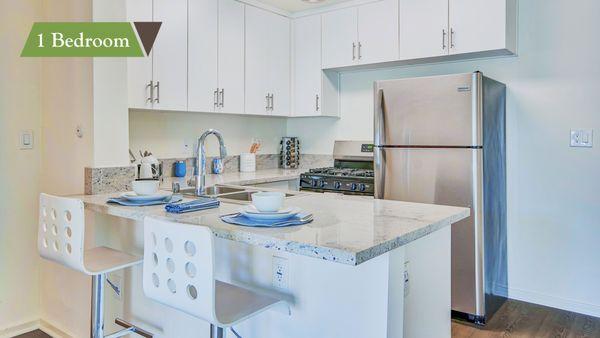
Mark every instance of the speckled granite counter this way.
pixel 346 229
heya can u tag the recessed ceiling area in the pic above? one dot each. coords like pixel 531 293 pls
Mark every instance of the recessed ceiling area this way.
pixel 299 5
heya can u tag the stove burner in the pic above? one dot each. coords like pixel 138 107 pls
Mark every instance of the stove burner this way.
pixel 332 171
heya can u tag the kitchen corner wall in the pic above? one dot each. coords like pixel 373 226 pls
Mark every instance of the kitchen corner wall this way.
pixel 553 85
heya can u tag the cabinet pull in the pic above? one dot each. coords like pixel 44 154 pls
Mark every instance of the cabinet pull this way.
pixel 317 102
pixel 444 39
pixel 222 104
pixel 216 98
pixel 268 97
pixel 359 50
pixel 157 86
pixel 353 51
pixel 272 102
pixel 452 32
pixel 151 85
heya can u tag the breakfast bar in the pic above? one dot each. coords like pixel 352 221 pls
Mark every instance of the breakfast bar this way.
pixel 344 270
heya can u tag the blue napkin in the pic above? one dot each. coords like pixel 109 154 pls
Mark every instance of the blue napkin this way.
pixel 240 219
pixel 201 203
pixel 128 203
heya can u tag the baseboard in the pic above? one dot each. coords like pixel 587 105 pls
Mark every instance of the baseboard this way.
pixel 555 302
pixel 32 325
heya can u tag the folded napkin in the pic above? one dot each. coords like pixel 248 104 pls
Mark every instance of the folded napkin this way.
pixel 240 219
pixel 201 203
pixel 128 203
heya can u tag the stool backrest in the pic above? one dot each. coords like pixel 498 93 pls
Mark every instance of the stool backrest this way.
pixel 179 267
pixel 61 230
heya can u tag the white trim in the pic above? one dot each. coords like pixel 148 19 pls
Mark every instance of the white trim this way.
pixel 32 325
pixel 555 302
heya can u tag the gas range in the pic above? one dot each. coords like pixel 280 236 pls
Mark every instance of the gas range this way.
pixel 352 172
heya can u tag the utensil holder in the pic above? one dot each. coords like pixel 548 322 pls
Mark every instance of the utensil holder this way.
pixel 247 162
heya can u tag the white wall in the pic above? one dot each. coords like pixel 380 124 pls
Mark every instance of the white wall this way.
pixel 20 109
pixel 165 133
pixel 553 85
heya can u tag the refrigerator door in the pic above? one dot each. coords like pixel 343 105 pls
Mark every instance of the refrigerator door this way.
pixel 428 111
pixel 447 176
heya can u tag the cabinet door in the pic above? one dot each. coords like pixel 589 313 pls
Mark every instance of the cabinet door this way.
pixel 170 55
pixel 202 55
pixel 378 32
pixel 477 25
pixel 139 70
pixel 423 28
pixel 279 64
pixel 257 60
pixel 307 65
pixel 340 33
pixel 231 56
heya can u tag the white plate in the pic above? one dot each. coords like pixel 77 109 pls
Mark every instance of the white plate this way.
pixel 132 196
pixel 270 216
pixel 251 209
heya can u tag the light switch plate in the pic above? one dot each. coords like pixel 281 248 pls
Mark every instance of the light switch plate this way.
pixel 582 138
pixel 26 139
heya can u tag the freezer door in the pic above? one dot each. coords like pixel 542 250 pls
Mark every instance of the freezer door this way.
pixel 429 111
pixel 447 177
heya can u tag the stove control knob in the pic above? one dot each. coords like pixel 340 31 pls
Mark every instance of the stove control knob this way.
pixel 337 185
pixel 353 186
pixel 314 183
pixel 362 187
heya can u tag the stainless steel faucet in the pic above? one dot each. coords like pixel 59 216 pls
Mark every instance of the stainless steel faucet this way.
pixel 201 159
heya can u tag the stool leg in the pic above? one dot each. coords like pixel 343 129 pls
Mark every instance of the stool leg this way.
pixel 98 306
pixel 216 332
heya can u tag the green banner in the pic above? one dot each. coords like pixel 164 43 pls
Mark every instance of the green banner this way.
pixel 82 39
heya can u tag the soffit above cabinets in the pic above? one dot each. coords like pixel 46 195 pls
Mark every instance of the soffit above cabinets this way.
pixel 292 6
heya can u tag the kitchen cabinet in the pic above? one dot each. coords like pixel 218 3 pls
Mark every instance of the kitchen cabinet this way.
pixel 216 56
pixel 307 66
pixel 423 28
pixel 268 63
pixel 430 28
pixel 160 80
pixel 361 35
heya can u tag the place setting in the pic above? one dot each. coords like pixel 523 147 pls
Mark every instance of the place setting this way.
pixel 145 193
pixel 268 210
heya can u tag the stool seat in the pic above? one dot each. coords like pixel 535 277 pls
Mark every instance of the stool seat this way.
pixel 102 260
pixel 234 304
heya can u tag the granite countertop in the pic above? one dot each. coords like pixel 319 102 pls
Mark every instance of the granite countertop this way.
pixel 240 178
pixel 346 229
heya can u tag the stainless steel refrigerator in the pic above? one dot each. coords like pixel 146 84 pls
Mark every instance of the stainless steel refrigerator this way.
pixel 441 140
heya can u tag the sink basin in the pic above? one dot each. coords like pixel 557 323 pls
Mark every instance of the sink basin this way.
pixel 237 195
pixel 213 191
pixel 244 196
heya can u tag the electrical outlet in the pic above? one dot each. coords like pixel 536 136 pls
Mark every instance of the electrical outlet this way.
pixel 582 138
pixel 281 273
pixel 406 278
pixel 26 139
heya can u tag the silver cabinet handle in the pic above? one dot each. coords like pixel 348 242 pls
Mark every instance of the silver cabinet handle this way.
pixel 317 102
pixel 353 51
pixel 157 86
pixel 444 39
pixel 268 97
pixel 222 104
pixel 151 85
pixel 359 50
pixel 452 33
pixel 272 102
pixel 216 98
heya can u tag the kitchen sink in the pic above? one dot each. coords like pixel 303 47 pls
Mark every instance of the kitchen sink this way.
pixel 244 196
pixel 213 191
pixel 230 194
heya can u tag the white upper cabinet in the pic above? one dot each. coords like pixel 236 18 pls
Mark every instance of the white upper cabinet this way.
pixel 340 35
pixel 307 66
pixel 139 69
pixel 268 63
pixel 378 32
pixel 202 55
pixel 477 25
pixel 170 55
pixel 231 57
pixel 423 28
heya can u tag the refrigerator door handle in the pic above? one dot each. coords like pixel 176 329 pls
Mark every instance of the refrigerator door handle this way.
pixel 379 162
pixel 379 118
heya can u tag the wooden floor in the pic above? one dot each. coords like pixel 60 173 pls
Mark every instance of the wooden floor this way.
pixel 33 334
pixel 519 319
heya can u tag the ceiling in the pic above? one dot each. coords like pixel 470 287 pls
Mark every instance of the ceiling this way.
pixel 298 5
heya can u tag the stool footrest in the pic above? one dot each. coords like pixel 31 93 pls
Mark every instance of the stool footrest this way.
pixel 129 328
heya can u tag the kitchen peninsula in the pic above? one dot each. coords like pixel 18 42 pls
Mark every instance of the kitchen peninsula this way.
pixel 380 265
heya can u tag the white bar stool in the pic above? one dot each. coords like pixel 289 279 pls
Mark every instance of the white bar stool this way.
pixel 60 239
pixel 179 272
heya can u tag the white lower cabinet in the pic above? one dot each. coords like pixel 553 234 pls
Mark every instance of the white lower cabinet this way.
pixel 267 63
